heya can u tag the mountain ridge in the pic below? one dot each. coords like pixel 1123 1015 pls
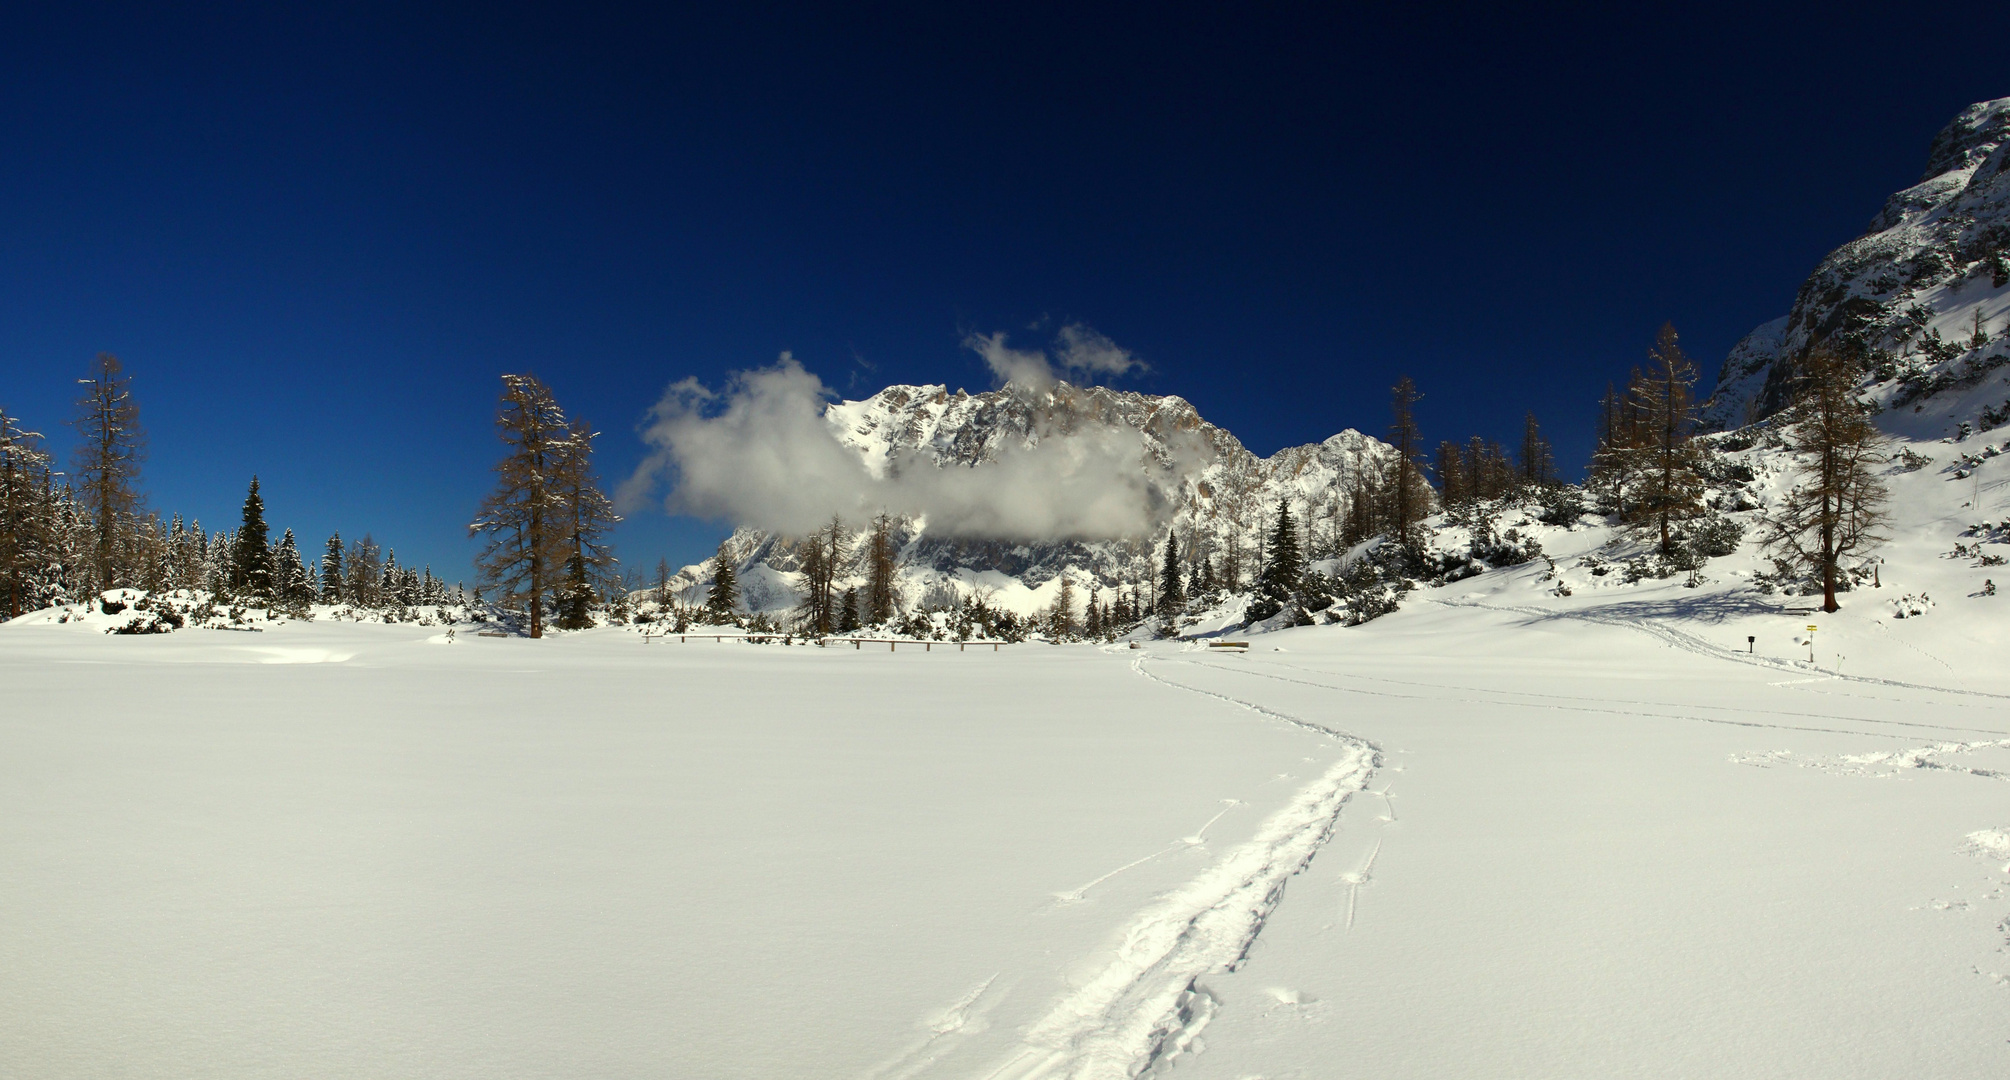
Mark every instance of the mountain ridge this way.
pixel 1205 485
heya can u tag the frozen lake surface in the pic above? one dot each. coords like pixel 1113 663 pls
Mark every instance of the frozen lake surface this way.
pixel 1479 837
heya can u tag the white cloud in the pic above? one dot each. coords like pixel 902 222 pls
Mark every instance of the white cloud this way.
pixel 1012 367
pixel 1079 351
pixel 1085 351
pixel 760 453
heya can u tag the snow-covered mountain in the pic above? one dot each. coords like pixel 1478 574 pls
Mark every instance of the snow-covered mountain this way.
pixel 1210 489
pixel 1926 290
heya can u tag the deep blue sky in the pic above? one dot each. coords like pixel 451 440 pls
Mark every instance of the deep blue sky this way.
pixel 316 237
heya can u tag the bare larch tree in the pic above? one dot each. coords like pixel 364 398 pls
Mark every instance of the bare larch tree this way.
pixel 524 517
pixel 111 445
pixel 1838 505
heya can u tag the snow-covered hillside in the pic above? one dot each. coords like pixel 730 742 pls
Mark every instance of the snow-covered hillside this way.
pixel 1211 489
pixel 1926 291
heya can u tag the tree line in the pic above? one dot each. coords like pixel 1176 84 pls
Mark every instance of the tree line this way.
pixel 1649 472
pixel 67 536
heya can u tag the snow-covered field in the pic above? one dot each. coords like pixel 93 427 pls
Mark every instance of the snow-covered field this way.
pixel 1500 833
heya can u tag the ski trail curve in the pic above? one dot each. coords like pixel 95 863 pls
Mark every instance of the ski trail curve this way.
pixel 1146 1005
pixel 1687 642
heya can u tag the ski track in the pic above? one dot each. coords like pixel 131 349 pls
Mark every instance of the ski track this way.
pixel 1687 642
pixel 1601 710
pixel 1148 1004
pixel 1604 706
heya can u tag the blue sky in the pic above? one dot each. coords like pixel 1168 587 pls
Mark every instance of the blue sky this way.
pixel 317 237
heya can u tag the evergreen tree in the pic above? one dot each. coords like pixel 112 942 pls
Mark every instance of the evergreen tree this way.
pixel 1279 585
pixel 26 523
pixel 1838 505
pixel 291 586
pixel 723 604
pixel 848 612
pixel 192 571
pixel 575 595
pixel 1172 591
pixel 1061 619
pixel 111 447
pixel 388 580
pixel 251 560
pixel 332 591
pixel 1092 620
pixel 588 516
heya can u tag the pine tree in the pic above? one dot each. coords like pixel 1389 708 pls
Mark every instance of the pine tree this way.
pixel 1092 620
pixel 723 604
pixel 575 595
pixel 332 591
pixel 848 611
pixel 1283 575
pixel 291 586
pixel 525 516
pixel 191 562
pixel 112 445
pixel 1172 591
pixel 1838 505
pixel 26 524
pixel 251 561
pixel 588 516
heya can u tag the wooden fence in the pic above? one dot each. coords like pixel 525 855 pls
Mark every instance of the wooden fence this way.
pixel 892 644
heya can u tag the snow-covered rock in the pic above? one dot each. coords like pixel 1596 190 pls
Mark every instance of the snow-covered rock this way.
pixel 1216 493
pixel 1933 266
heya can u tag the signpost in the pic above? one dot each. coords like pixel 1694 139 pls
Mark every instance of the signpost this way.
pixel 1750 643
pixel 1811 643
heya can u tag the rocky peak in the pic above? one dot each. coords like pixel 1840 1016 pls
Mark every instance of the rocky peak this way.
pixel 1908 294
pixel 1969 138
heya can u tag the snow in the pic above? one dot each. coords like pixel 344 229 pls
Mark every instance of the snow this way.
pixel 1539 822
pixel 1501 832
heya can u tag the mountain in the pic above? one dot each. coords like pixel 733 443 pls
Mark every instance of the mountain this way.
pixel 1925 291
pixel 1203 484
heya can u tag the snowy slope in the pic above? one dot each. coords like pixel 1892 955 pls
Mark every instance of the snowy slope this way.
pixel 1911 290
